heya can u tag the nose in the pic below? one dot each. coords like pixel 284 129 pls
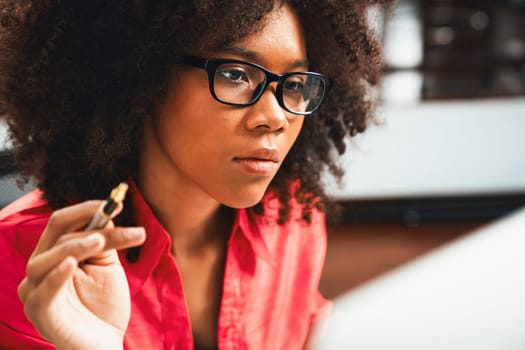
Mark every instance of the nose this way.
pixel 266 114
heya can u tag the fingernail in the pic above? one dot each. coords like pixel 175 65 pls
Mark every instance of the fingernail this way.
pixel 133 232
pixel 90 241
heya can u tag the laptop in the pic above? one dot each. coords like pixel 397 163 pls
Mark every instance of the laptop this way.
pixel 468 294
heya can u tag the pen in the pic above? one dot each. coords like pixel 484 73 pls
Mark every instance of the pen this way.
pixel 105 211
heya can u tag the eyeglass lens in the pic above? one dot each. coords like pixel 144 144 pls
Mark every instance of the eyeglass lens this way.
pixel 241 84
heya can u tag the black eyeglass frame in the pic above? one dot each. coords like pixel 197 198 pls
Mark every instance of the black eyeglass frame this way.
pixel 211 64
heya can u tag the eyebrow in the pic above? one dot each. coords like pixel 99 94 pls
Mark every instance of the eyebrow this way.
pixel 255 57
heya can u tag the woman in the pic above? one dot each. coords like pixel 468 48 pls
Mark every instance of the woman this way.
pixel 212 113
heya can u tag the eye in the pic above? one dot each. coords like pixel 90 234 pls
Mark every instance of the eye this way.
pixel 232 74
pixel 295 86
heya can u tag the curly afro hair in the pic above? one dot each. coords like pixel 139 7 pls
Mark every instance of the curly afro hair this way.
pixel 77 79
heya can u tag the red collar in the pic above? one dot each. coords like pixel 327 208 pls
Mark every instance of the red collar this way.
pixel 158 241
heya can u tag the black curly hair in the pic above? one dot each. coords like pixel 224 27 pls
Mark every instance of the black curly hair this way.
pixel 77 79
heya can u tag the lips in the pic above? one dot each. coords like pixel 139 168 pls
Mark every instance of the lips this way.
pixel 263 161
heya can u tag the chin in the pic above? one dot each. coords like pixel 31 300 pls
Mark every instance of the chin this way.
pixel 245 199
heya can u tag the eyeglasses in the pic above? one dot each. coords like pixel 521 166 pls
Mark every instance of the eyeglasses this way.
pixel 240 83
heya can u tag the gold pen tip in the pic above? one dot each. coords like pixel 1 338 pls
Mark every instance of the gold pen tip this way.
pixel 119 192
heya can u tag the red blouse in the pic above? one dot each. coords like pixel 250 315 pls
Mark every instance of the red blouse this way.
pixel 270 296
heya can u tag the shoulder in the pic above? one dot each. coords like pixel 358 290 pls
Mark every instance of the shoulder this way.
pixel 26 207
pixel 316 218
pixel 296 248
pixel 22 222
pixel 297 234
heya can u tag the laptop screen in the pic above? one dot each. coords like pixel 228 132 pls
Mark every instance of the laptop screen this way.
pixel 469 294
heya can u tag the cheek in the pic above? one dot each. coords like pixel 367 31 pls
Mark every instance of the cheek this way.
pixel 293 131
pixel 188 142
pixel 185 122
pixel 194 134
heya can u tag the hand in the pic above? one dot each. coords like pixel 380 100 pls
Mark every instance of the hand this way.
pixel 76 292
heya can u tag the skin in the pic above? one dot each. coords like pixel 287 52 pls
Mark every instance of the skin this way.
pixel 190 173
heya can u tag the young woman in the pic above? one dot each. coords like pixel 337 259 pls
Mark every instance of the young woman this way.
pixel 211 112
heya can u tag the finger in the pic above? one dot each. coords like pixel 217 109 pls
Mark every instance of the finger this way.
pixel 80 248
pixel 36 299
pixel 115 237
pixel 22 289
pixel 123 237
pixel 64 220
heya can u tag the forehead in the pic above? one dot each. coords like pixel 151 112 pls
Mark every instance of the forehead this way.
pixel 280 38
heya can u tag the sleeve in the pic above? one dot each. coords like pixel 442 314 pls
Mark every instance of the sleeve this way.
pixel 13 339
pixel 16 332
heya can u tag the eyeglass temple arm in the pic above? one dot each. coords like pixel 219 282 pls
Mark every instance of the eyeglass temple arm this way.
pixel 193 61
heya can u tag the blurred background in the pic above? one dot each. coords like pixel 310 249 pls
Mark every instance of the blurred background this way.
pixel 447 155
